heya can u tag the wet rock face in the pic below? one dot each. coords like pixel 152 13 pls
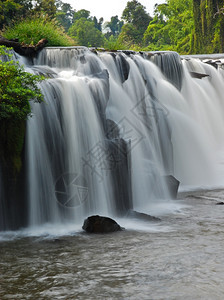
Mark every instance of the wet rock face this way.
pixel 172 185
pixel 100 224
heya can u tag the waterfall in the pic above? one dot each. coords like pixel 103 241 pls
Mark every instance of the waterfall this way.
pixel 113 127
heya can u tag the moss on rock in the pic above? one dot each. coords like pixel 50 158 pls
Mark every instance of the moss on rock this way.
pixel 12 135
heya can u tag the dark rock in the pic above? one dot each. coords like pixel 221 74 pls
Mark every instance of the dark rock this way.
pixel 142 216
pixel 172 185
pixel 22 49
pixel 213 63
pixel 83 59
pixel 122 65
pixel 128 52
pixel 100 224
pixel 171 66
pixel 119 153
pixel 198 75
pixel 112 54
pixel 220 203
pixel 112 130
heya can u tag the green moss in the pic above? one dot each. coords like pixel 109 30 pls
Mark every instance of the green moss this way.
pixel 12 134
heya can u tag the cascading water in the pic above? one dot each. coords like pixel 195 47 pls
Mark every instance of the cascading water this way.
pixel 114 127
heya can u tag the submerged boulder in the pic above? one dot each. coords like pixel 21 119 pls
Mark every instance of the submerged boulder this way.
pixel 100 224
pixel 142 216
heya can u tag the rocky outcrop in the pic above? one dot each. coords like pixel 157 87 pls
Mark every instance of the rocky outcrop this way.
pixel 100 224
pixel 22 49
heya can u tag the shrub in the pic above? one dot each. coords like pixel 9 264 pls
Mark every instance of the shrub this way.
pixel 32 29
pixel 17 87
pixel 114 44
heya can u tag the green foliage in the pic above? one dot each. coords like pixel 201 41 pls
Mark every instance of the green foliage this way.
pixel 11 9
pixel 17 88
pixel 46 6
pixel 98 24
pixel 114 25
pixel 186 26
pixel 136 16
pixel 32 29
pixel 172 27
pixel 64 14
pixel 209 26
pixel 82 13
pixel 83 31
pixel 130 35
pixel 113 43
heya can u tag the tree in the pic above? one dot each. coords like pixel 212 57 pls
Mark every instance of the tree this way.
pixel 171 27
pixel 98 24
pixel 114 25
pixel 46 6
pixel 82 13
pixel 130 35
pixel 135 14
pixel 64 14
pixel 137 21
pixel 11 9
pixel 209 26
pixel 85 33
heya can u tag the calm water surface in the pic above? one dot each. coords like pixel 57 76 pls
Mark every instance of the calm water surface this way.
pixel 179 258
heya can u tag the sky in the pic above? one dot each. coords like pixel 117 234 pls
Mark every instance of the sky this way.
pixel 107 9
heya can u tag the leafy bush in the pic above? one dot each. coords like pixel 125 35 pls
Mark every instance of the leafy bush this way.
pixel 32 29
pixel 114 44
pixel 17 87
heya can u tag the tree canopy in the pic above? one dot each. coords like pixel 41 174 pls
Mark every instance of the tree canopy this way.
pixel 171 27
pixel 137 20
pixel 114 25
pixel 186 26
pixel 83 31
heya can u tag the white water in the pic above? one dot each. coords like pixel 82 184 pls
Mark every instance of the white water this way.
pixel 172 132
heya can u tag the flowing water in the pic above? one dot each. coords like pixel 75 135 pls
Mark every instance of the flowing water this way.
pixel 179 258
pixel 112 128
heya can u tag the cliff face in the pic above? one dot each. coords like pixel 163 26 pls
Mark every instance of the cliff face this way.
pixel 209 26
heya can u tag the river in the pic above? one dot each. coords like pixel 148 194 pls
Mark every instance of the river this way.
pixel 180 257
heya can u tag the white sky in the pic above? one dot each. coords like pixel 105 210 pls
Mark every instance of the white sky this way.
pixel 107 9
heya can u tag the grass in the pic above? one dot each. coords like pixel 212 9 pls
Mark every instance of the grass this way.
pixel 32 29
